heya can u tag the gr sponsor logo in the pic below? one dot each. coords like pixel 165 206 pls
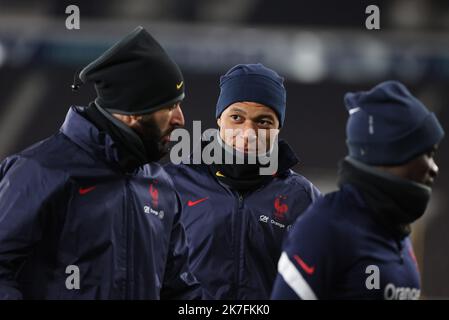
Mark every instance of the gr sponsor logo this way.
pixel 392 292
pixel 149 210
pixel 265 219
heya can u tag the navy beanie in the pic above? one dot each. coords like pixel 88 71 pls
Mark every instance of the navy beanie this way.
pixel 389 126
pixel 252 83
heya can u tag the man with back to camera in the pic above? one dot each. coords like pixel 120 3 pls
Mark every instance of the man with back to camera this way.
pixel 354 243
pixel 88 213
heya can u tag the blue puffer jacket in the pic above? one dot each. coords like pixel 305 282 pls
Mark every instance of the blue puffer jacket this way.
pixel 235 240
pixel 65 205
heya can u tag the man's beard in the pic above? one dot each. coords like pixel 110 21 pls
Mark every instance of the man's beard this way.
pixel 151 136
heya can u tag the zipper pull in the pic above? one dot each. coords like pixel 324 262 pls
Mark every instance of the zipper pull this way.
pixel 240 200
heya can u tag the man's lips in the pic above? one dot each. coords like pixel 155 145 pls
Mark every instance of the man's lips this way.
pixel 166 137
pixel 248 149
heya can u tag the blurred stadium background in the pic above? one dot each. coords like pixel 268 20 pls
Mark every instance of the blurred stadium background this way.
pixel 322 48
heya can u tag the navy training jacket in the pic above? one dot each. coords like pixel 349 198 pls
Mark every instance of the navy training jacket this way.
pixel 336 250
pixel 65 206
pixel 235 241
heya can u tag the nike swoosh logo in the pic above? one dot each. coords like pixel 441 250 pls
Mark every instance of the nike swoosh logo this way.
pixel 219 174
pixel 304 266
pixel 194 203
pixel 178 86
pixel 86 190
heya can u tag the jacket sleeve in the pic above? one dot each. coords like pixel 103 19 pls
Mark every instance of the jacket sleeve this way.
pixel 309 262
pixel 179 282
pixel 22 193
pixel 315 193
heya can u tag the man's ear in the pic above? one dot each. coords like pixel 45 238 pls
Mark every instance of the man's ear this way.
pixel 218 122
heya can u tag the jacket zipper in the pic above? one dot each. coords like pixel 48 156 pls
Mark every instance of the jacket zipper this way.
pixel 400 247
pixel 127 217
pixel 238 242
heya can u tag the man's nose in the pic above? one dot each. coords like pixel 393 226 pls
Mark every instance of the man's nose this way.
pixel 249 130
pixel 433 168
pixel 177 117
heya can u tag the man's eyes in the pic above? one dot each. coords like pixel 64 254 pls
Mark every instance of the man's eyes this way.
pixel 265 122
pixel 262 122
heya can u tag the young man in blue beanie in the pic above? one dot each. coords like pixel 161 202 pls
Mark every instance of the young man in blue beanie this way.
pixel 88 213
pixel 354 243
pixel 235 216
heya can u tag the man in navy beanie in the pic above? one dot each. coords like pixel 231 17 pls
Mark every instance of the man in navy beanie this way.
pixel 354 243
pixel 236 216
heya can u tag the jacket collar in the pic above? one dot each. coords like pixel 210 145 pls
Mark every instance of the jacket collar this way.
pixel 394 202
pixel 84 133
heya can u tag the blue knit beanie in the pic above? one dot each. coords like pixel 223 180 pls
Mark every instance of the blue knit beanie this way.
pixel 253 83
pixel 389 126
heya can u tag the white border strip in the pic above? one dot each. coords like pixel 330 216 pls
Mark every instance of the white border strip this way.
pixel 294 278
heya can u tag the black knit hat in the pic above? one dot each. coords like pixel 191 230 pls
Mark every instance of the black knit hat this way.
pixel 135 76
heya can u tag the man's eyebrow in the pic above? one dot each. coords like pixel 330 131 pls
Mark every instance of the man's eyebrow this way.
pixel 264 115
pixel 235 109
pixel 433 149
